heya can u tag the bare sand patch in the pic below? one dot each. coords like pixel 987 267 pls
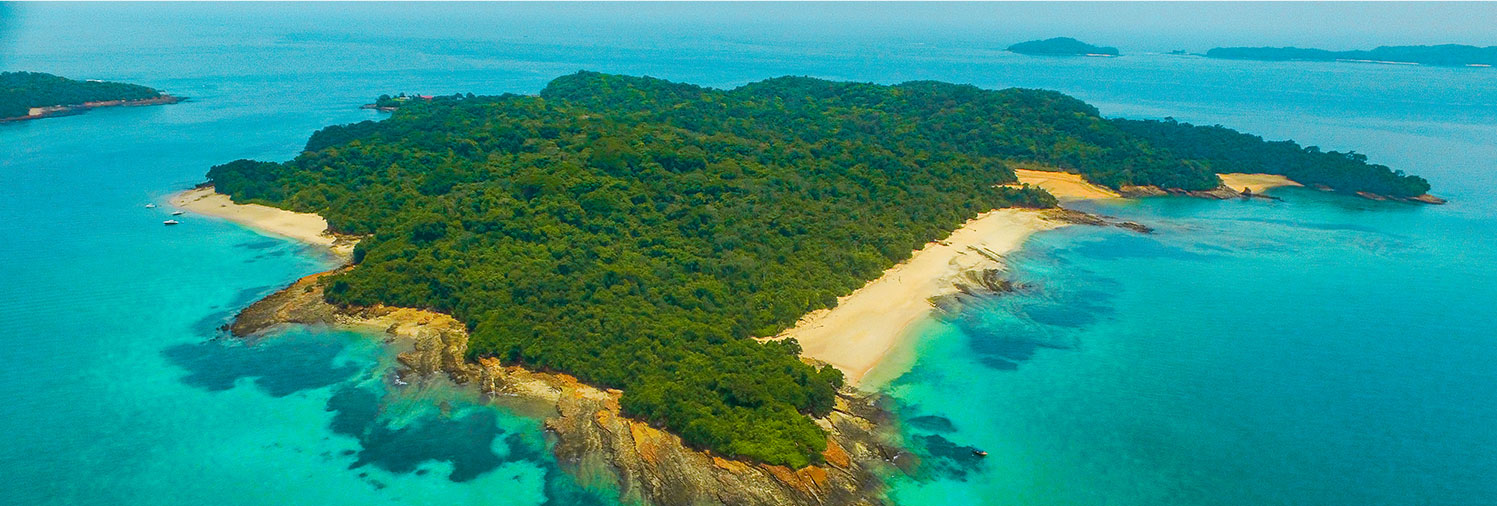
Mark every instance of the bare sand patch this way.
pixel 1064 185
pixel 1255 182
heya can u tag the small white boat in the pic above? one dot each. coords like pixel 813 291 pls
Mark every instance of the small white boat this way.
pixel 170 222
pixel 150 206
pixel 177 213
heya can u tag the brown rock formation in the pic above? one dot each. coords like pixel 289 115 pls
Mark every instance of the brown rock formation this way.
pixel 594 440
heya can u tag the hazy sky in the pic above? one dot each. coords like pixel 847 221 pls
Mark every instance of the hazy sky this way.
pixel 1156 26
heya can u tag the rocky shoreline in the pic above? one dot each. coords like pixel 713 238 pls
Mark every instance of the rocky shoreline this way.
pixel 1225 192
pixel 68 110
pixel 594 441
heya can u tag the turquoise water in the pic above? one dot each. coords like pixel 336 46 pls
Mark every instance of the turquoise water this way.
pixel 1319 350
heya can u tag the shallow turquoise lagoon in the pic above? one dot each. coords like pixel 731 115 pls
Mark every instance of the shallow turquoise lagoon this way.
pixel 1319 350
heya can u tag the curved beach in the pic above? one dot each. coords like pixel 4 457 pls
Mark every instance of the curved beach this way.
pixel 305 227
pixel 866 325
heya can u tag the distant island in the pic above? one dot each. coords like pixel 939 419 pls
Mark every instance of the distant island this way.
pixel 1450 55
pixel 33 95
pixel 1062 46
pixel 652 237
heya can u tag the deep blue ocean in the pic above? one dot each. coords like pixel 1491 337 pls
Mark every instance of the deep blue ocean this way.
pixel 1320 350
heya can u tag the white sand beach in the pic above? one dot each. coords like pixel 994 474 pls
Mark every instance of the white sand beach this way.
pixel 305 227
pixel 871 322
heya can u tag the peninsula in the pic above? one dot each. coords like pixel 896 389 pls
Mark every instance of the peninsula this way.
pixel 1062 46
pixel 1450 55
pixel 33 95
pixel 641 242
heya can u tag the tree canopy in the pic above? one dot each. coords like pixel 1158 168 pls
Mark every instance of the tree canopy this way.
pixel 1225 150
pixel 637 233
pixel 20 91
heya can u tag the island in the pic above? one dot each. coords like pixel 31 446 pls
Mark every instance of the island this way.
pixel 33 95
pixel 1062 46
pixel 678 271
pixel 1450 55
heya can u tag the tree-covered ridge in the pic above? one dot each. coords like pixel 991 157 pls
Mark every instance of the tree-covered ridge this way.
pixel 1444 54
pixel 21 91
pixel 1225 150
pixel 636 232
pixel 1061 46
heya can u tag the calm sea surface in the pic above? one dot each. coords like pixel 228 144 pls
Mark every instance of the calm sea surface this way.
pixel 1319 350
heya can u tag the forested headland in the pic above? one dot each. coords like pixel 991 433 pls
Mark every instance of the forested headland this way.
pixel 637 233
pixel 22 91
pixel 1224 150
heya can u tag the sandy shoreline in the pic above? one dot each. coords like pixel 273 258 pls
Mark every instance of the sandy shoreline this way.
pixel 305 227
pixel 1064 185
pixel 1255 182
pixel 869 323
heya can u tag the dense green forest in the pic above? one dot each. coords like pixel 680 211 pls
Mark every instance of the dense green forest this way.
pixel 1445 54
pixel 637 232
pixel 1225 150
pixel 20 91
pixel 1061 46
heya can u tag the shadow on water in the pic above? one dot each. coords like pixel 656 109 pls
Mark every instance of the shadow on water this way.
pixel 1007 330
pixel 931 423
pixel 212 324
pixel 942 459
pixel 260 244
pixel 464 440
pixel 279 367
pixel 469 437
pixel 393 433
pixel 930 455
pixel 1118 246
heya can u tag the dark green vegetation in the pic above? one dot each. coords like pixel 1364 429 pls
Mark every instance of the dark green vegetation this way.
pixel 1061 46
pixel 1225 150
pixel 20 91
pixel 389 102
pixel 1447 54
pixel 637 232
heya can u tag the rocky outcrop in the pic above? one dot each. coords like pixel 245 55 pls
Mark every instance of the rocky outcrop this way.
pixel 1133 191
pixel 68 110
pixel 1220 193
pixel 594 440
pixel 973 285
pixel 1422 199
pixel 1428 199
pixel 1075 217
pixel 1248 194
